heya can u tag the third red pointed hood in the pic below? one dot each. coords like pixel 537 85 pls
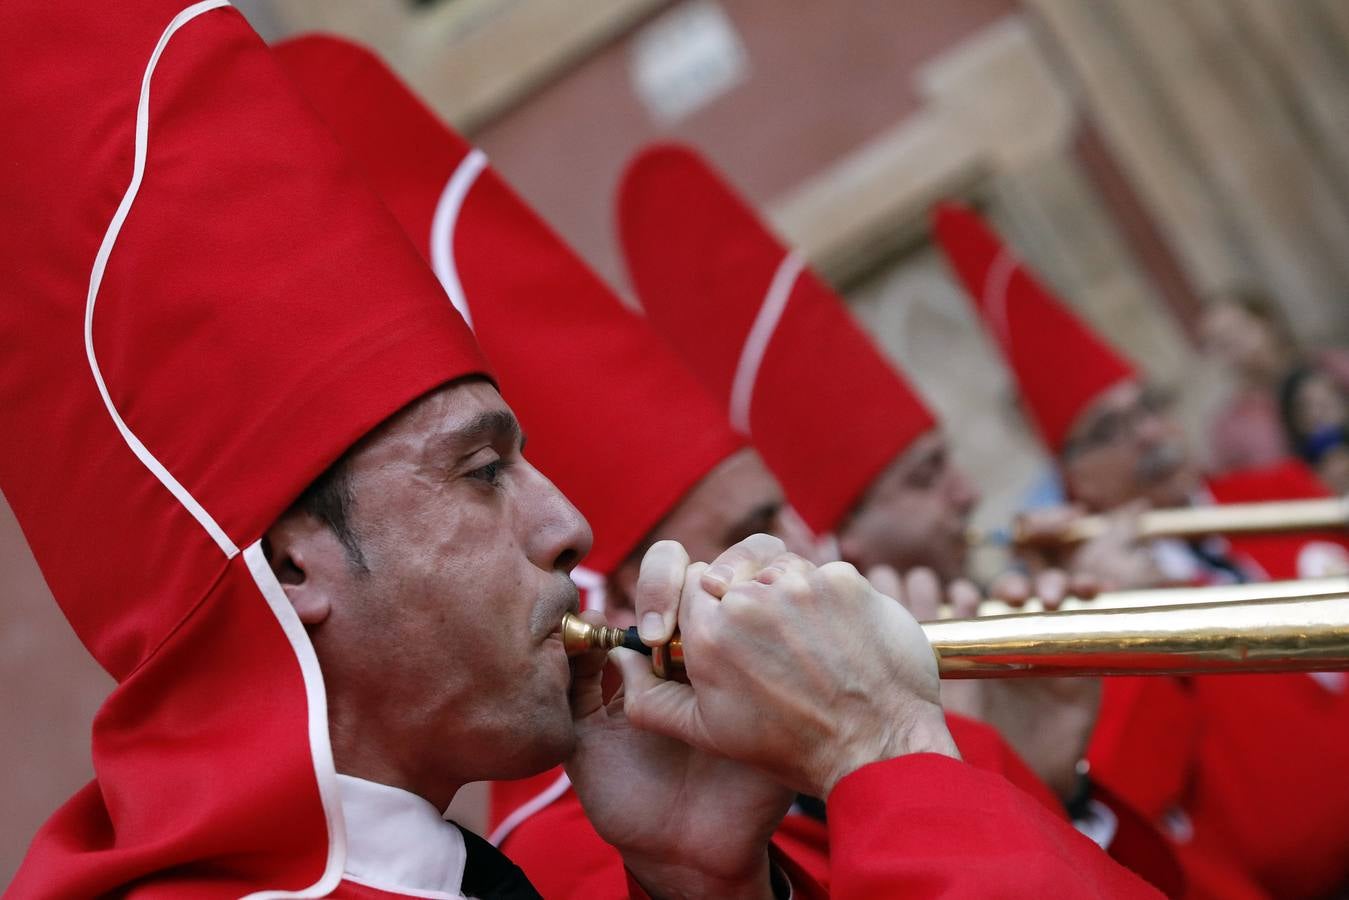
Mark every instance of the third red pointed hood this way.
pixel 1060 364
pixel 769 339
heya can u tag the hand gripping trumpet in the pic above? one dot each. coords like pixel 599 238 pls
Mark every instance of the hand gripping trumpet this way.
pixel 1279 627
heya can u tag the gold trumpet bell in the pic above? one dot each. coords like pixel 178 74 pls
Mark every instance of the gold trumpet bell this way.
pixel 1298 634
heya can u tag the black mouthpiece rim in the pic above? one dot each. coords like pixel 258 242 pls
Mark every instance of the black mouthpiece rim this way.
pixel 632 642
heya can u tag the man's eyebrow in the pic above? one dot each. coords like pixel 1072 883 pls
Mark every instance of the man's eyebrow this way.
pixel 492 426
pixel 1096 419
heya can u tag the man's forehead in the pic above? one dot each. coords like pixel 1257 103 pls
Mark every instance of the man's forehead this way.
pixel 920 450
pixel 730 491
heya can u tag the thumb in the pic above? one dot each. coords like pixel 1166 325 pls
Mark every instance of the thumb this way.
pixel 653 704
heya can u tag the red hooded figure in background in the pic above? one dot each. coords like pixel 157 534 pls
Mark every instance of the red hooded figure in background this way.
pixel 1245 771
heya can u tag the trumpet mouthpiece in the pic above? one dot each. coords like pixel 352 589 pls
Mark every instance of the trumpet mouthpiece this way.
pixel 579 636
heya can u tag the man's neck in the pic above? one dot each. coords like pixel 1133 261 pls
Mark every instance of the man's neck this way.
pixel 357 755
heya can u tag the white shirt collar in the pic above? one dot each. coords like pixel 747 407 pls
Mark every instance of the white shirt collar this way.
pixel 398 842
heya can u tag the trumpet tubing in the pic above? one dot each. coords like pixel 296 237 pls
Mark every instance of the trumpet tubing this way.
pixel 1293 626
pixel 1232 518
pixel 1297 634
pixel 1197 521
pixel 1181 596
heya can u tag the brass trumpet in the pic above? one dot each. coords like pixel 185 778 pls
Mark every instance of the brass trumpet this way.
pixel 1276 630
pixel 1198 521
pixel 1181 596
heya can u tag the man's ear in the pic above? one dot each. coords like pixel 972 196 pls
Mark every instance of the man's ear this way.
pixel 307 558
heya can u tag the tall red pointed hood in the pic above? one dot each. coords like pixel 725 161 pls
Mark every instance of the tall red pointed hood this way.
pixel 613 417
pixel 205 306
pixel 775 345
pixel 1060 364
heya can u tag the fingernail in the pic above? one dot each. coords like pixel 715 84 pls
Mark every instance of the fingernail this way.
pixel 652 627
pixel 720 574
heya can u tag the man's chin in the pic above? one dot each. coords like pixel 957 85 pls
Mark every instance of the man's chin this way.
pixel 547 745
pixel 953 564
pixel 1176 489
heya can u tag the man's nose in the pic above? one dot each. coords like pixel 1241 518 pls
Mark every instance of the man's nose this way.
pixel 558 535
pixel 963 492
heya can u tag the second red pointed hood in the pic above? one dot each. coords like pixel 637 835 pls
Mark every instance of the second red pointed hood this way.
pixel 1060 364
pixel 771 341
pixel 613 417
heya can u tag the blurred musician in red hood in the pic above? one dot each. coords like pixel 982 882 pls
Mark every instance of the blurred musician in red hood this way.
pixel 1243 767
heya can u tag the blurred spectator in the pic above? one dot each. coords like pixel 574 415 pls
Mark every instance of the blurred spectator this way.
pixel 1314 408
pixel 1247 331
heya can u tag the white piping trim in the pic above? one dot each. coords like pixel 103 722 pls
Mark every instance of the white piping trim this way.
pixel 760 333
pixel 147 458
pixel 528 808
pixel 320 747
pixel 448 207
pixel 996 285
pixel 592 583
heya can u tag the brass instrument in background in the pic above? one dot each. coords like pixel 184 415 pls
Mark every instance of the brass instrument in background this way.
pixel 1286 627
pixel 1181 596
pixel 1198 521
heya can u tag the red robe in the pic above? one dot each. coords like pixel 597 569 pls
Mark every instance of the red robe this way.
pixel 1248 770
pixel 947 829
pixel 984 826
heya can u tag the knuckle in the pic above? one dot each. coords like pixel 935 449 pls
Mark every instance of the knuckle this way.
pixel 794 587
pixel 705 636
pixel 840 573
pixel 763 546
pixel 667 549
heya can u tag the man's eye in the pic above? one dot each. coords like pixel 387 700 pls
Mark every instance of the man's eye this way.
pixel 924 478
pixel 490 473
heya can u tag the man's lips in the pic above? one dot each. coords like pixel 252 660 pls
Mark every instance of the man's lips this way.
pixel 564 601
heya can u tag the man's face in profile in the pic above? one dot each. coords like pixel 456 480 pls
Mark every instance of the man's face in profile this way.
pixel 1127 446
pixel 437 638
pixel 916 512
